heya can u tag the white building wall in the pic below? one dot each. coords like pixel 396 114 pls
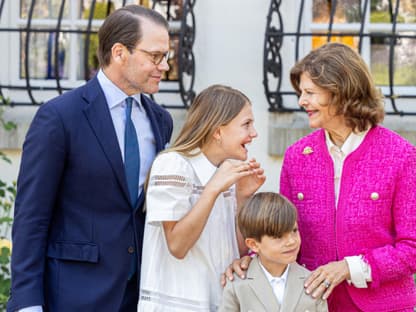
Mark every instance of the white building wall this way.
pixel 228 49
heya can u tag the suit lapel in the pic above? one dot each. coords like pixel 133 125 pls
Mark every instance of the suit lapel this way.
pixel 295 281
pixel 261 287
pixel 99 118
pixel 154 118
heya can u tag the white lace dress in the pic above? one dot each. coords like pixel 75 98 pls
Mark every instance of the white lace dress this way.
pixel 193 283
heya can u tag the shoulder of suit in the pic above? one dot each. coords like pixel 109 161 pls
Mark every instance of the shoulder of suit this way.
pixel 237 282
pixel 66 102
pixel 155 106
pixel 312 140
pixel 296 267
pixel 391 140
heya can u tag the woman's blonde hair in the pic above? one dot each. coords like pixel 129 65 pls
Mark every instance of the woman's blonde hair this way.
pixel 339 69
pixel 215 106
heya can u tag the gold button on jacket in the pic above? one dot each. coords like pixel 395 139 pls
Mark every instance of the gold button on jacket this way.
pixel 374 196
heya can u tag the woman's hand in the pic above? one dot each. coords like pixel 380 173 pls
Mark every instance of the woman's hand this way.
pixel 248 185
pixel 239 266
pixel 325 278
pixel 228 173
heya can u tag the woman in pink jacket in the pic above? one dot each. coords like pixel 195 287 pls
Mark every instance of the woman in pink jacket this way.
pixel 354 185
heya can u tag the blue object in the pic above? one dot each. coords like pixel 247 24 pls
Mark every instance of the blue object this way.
pixel 131 155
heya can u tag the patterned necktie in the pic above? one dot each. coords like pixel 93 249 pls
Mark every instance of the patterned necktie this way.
pixel 131 155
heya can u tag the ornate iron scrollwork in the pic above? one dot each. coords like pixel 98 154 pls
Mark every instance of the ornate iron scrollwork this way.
pixel 182 33
pixel 272 60
pixel 181 18
pixel 186 61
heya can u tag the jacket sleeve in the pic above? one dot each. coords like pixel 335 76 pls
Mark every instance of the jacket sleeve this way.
pixel 398 260
pixel 229 300
pixel 40 173
pixel 321 306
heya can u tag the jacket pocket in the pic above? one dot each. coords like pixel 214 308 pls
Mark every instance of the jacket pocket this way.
pixel 75 251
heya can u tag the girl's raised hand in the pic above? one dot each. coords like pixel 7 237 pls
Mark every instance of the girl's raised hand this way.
pixel 228 173
pixel 248 185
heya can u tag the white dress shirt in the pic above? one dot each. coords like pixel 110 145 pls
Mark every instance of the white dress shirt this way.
pixel 360 271
pixel 115 98
pixel 278 283
pixel 31 309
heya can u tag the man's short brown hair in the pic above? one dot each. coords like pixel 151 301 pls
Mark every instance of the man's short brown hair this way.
pixel 124 26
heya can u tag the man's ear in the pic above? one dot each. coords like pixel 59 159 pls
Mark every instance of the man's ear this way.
pixel 119 52
pixel 252 244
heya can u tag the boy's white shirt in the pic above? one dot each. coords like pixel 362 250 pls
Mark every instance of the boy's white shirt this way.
pixel 278 283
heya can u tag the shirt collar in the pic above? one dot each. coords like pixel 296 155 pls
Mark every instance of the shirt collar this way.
pixel 113 94
pixel 351 143
pixel 203 167
pixel 272 278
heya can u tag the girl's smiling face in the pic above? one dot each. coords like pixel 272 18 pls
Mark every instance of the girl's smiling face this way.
pixel 234 136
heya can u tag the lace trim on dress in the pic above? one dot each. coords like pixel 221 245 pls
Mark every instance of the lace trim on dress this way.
pixel 170 301
pixel 173 180
pixel 180 181
pixel 198 189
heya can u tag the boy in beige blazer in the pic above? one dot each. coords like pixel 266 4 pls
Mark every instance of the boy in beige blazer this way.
pixel 274 280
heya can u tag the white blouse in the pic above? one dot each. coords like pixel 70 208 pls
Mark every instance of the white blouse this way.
pixel 192 283
pixel 360 271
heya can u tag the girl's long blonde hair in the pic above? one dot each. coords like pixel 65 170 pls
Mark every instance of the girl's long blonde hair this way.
pixel 215 106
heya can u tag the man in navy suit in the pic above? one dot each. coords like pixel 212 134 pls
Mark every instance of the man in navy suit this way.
pixel 77 234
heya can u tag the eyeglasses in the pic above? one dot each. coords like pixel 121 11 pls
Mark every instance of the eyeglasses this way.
pixel 156 57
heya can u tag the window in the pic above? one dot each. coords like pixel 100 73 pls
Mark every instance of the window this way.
pixel 382 31
pixel 71 19
pixel 383 16
pixel 52 45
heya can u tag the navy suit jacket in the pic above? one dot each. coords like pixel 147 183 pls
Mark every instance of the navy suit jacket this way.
pixel 74 225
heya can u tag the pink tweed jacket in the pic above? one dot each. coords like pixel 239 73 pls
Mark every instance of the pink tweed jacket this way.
pixel 375 216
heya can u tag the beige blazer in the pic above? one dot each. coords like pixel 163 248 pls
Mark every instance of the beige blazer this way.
pixel 255 293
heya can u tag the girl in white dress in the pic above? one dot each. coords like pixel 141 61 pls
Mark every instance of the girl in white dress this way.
pixel 194 191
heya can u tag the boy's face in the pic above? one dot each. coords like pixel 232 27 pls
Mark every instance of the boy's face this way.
pixel 275 253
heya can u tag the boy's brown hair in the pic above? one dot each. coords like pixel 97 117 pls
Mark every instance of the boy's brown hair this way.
pixel 266 213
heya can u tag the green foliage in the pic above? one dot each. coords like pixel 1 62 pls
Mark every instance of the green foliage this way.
pixel 383 17
pixel 8 126
pixel 380 11
pixel 403 76
pixel 7 198
pixel 4 275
